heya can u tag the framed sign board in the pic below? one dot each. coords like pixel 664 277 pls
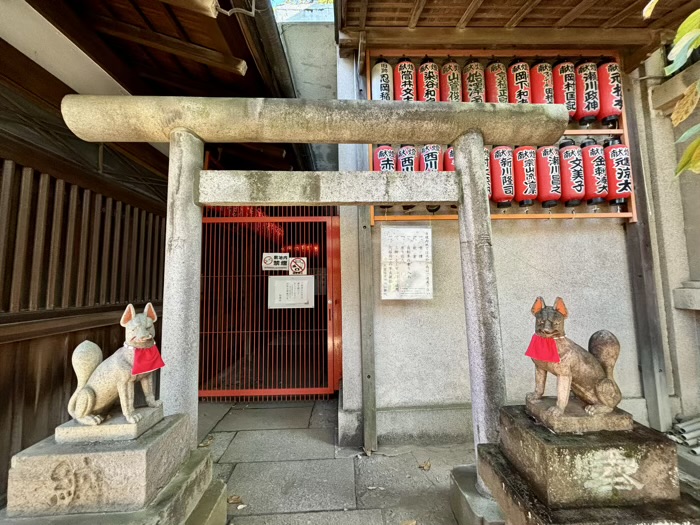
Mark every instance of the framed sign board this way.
pixel 407 262
pixel 290 291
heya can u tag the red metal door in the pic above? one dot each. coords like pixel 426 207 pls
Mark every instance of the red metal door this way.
pixel 246 349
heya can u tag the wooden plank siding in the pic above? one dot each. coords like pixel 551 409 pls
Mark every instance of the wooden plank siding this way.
pixel 106 246
pixel 66 253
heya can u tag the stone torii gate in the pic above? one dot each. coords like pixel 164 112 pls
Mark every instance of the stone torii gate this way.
pixel 186 123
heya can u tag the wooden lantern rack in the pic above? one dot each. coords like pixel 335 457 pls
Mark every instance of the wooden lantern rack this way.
pixel 630 214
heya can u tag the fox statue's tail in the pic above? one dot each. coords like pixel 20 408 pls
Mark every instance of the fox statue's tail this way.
pixel 87 356
pixel 606 349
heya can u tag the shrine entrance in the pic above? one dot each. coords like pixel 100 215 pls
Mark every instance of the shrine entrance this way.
pixel 249 349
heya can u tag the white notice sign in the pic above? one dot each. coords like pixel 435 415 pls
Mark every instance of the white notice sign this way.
pixel 293 291
pixel 407 262
pixel 275 261
pixel 298 266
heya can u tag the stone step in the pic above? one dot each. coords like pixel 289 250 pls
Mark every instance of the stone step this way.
pixel 190 493
pixel 602 468
pixel 50 478
pixel 521 506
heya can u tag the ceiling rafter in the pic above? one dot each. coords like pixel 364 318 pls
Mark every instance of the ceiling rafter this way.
pixel 415 13
pixel 675 15
pixel 363 13
pixel 169 44
pixel 635 7
pixel 474 6
pixel 575 12
pixel 522 13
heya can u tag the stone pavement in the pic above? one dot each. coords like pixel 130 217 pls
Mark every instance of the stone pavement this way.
pixel 282 461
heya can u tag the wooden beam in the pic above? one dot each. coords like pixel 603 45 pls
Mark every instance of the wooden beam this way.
pixel 635 7
pixel 168 44
pixel 415 13
pixel 522 13
pixel 47 162
pixel 675 16
pixel 25 77
pixel 363 13
pixel 446 38
pixel 665 96
pixel 575 12
pixel 471 10
pixel 187 86
pixel 64 18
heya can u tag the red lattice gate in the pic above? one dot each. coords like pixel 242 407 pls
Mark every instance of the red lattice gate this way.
pixel 246 349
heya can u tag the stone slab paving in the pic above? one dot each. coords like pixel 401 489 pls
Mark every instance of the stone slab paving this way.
pixel 351 517
pixel 217 443
pixel 293 486
pixel 265 419
pixel 209 415
pixel 324 414
pixel 222 471
pixel 281 445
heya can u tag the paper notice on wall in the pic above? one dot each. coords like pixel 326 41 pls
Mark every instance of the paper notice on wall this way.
pixel 291 292
pixel 407 262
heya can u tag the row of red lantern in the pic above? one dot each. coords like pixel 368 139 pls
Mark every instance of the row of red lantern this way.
pixel 590 91
pixel 569 173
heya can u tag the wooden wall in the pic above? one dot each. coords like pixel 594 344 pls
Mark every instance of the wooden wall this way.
pixel 70 261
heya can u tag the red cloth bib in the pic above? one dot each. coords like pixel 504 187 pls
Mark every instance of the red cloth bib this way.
pixel 543 349
pixel 146 360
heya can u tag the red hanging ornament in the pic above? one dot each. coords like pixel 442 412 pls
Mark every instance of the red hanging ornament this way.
pixel 428 81
pixel 619 170
pixel 405 81
pixel 382 81
pixel 564 79
pixel 384 158
pixel 496 82
pixel 450 82
pixel 548 176
pixel 448 160
pixel 541 83
pixel 518 82
pixel 474 82
pixel 524 175
pixel 610 88
pixel 571 168
pixel 502 176
pixel 430 158
pixel 594 172
pixel 587 96
pixel 407 161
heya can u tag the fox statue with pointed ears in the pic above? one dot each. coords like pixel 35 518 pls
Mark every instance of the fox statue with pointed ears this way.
pixel 100 382
pixel 589 374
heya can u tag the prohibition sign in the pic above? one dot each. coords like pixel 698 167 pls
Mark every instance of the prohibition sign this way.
pixel 298 265
pixel 267 261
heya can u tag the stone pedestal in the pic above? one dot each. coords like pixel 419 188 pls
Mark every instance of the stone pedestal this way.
pixel 540 477
pixel 114 428
pixel 153 479
pixel 575 420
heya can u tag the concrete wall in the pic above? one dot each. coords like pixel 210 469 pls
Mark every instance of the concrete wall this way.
pixel 422 372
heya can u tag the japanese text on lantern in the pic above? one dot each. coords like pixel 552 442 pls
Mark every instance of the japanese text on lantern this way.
pixel 505 160
pixel 407 85
pixel 527 157
pixel 623 172
pixel 576 168
pixel 590 87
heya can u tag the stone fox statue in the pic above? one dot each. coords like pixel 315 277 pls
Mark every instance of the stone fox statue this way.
pixel 588 373
pixel 100 382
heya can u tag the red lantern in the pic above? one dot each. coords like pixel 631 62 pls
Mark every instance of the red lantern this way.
pixel 594 173
pixel 571 169
pixel 431 158
pixel 428 81
pixel 564 79
pixel 384 158
pixel 487 161
pixel 542 83
pixel 450 82
pixel 518 82
pixel 496 81
pixel 610 83
pixel 502 176
pixel 619 169
pixel 405 80
pixel 587 96
pixel 448 160
pixel 548 176
pixel 382 81
pixel 408 161
pixel 524 176
pixel 473 82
